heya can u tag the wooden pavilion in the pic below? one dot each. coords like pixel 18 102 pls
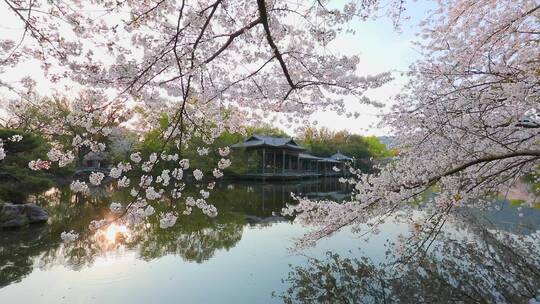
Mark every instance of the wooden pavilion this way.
pixel 270 157
pixel 343 161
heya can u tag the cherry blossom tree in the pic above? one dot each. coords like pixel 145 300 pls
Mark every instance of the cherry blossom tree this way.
pixel 207 66
pixel 478 265
pixel 465 124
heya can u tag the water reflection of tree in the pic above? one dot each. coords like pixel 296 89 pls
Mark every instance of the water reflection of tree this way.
pixel 484 266
pixel 196 242
pixel 194 238
pixel 16 253
pixel 40 246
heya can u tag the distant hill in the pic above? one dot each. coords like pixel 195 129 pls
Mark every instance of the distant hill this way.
pixel 387 140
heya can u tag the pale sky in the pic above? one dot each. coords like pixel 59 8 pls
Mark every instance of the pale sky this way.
pixel 380 48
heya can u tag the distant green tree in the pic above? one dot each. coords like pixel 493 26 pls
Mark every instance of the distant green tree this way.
pixel 17 181
pixel 325 142
pixel 376 147
pixel 49 117
pixel 37 114
pixel 122 144
pixel 267 130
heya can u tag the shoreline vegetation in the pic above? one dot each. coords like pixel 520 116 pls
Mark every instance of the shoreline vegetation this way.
pixel 16 174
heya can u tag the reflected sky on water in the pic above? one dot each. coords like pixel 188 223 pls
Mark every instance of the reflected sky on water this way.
pixel 241 256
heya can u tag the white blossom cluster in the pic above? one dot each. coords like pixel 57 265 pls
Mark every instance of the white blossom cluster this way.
pixel 38 164
pixel 152 194
pixel 198 174
pixel 124 182
pixel 136 157
pixel 184 164
pixel 164 178
pixel 63 158
pixel 178 173
pixel 79 187
pixel 208 209
pixel 138 211
pixel 205 194
pixel 202 151
pixel 116 207
pixel 176 193
pixel 15 138
pixel 146 180
pixel 167 220
pixel 223 152
pixel 97 224
pixel 69 236
pixel 96 147
pixel 217 173
pixel 96 178
pixel 224 163
pixel 2 150
pixel 121 168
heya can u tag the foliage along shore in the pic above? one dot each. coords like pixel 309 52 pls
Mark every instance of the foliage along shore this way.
pixel 17 173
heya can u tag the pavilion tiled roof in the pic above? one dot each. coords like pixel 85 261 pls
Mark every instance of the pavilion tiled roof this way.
pixel 308 156
pixel 328 160
pixel 287 143
pixel 340 156
pixel 269 141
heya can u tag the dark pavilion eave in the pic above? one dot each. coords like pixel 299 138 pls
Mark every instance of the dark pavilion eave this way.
pixel 266 146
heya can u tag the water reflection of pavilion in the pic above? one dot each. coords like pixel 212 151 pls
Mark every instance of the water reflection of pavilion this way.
pixel 281 158
pixel 269 198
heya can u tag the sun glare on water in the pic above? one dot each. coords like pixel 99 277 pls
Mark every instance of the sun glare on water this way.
pixel 114 230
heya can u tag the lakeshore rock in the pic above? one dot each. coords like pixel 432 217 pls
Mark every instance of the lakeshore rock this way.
pixel 18 215
pixel 35 213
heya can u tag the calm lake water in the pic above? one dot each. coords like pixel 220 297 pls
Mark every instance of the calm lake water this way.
pixel 243 256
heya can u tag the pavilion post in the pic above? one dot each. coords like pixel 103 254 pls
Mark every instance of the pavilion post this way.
pixel 274 161
pixel 263 159
pixel 326 168
pixel 290 162
pixel 248 163
pixel 283 162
